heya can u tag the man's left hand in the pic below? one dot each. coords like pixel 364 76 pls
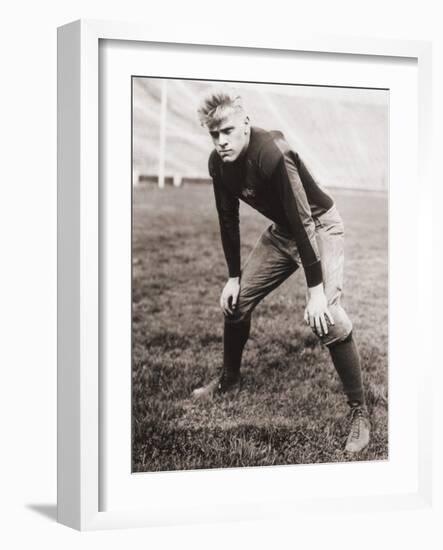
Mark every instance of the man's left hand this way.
pixel 317 314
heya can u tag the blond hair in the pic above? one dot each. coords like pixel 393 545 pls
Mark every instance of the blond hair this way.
pixel 214 103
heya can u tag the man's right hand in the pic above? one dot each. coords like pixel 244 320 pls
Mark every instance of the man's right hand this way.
pixel 229 295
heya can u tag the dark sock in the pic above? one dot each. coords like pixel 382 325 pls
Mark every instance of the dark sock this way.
pixel 234 340
pixel 347 364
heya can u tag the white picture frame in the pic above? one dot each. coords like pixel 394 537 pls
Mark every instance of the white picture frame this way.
pixel 79 369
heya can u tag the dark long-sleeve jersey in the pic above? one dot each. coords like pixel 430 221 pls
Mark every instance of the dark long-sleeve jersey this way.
pixel 270 177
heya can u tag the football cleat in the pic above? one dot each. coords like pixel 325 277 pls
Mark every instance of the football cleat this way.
pixel 359 432
pixel 218 386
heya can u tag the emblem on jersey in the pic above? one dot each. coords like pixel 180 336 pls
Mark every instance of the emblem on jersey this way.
pixel 248 192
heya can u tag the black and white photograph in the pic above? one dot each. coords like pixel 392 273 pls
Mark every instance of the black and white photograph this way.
pixel 259 274
pixel 223 252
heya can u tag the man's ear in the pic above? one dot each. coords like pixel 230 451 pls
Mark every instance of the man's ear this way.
pixel 246 123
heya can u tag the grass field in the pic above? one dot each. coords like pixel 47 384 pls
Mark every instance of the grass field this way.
pixel 291 409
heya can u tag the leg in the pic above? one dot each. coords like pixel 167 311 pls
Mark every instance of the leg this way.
pixel 235 336
pixel 266 268
pixel 268 265
pixel 340 342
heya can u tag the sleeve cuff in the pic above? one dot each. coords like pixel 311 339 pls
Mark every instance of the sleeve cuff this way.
pixel 313 274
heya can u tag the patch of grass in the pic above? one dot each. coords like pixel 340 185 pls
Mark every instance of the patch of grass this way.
pixel 291 409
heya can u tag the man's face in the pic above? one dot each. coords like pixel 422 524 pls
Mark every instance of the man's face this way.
pixel 231 135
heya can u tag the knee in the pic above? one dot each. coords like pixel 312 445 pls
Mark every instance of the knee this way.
pixel 241 314
pixel 341 340
pixel 238 316
pixel 340 330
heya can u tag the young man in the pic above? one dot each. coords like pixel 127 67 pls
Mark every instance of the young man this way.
pixel 260 168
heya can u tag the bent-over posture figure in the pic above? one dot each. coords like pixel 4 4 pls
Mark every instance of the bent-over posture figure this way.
pixel 260 168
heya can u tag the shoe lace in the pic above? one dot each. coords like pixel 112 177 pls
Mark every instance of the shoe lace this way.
pixel 356 421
